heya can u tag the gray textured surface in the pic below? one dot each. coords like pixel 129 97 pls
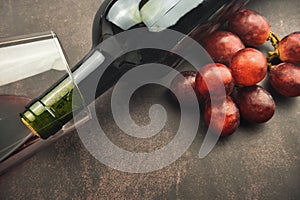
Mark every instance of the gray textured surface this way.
pixel 257 162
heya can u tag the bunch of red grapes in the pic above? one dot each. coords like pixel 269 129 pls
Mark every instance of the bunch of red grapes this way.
pixel 231 82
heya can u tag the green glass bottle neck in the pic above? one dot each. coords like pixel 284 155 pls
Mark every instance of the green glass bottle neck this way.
pixel 48 114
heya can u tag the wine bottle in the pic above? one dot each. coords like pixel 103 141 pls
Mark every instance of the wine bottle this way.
pixel 47 114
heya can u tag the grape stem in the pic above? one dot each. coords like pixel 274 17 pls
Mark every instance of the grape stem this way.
pixel 274 39
pixel 273 56
pixel 273 59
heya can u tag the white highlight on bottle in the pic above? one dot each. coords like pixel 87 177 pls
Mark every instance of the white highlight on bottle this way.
pixel 153 10
pixel 125 13
pixel 157 15
pixel 90 65
pixel 174 14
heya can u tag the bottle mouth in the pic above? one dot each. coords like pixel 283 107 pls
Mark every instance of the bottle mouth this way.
pixel 30 127
pixel 40 120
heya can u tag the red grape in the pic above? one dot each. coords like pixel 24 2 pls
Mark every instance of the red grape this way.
pixel 180 85
pixel 289 48
pixel 250 26
pixel 255 104
pixel 214 81
pixel 249 66
pixel 222 45
pixel 285 79
pixel 223 118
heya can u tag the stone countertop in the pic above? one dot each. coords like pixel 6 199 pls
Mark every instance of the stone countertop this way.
pixel 257 162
